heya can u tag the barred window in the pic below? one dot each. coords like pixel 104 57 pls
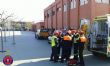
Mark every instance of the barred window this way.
pixel 103 1
pixel 73 4
pixel 83 2
pixel 65 7
pixel 59 9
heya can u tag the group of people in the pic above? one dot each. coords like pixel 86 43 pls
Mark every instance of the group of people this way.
pixel 64 44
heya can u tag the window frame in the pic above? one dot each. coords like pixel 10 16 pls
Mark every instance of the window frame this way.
pixel 73 4
pixel 102 2
pixel 83 2
pixel 65 7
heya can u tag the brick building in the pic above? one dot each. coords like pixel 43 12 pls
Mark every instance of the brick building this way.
pixel 69 13
pixel 38 25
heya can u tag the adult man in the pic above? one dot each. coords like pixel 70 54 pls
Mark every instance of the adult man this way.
pixel 54 44
pixel 76 43
pixel 66 47
pixel 79 40
pixel 82 41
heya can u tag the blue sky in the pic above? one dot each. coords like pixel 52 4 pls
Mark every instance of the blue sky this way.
pixel 25 10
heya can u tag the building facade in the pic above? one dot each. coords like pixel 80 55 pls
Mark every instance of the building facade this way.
pixel 38 25
pixel 69 13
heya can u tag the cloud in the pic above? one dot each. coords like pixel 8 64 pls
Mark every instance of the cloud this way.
pixel 29 10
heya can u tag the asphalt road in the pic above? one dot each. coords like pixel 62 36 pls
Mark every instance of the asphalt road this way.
pixel 29 51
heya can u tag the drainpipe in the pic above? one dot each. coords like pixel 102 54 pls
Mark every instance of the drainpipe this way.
pixel 68 13
pixel 62 15
pixel 56 16
pixel 78 14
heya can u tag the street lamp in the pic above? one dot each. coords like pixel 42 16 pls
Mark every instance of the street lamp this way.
pixel 13 25
pixel 2 46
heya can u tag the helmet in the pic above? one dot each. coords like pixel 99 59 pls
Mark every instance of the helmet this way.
pixel 73 31
pixel 81 32
pixel 56 32
pixel 69 31
pixel 76 35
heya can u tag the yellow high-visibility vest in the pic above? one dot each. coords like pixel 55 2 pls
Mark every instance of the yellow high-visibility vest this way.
pixel 76 39
pixel 53 41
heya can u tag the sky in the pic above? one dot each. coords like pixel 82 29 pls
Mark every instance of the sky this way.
pixel 25 10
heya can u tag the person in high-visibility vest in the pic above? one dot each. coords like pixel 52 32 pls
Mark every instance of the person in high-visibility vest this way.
pixel 76 37
pixel 54 44
pixel 79 41
pixel 66 47
pixel 59 44
pixel 82 41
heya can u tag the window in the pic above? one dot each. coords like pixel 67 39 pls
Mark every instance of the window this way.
pixel 65 7
pixel 45 16
pixel 59 9
pixel 105 1
pixel 109 33
pixel 83 2
pixel 98 1
pixel 102 1
pixel 53 13
pixel 73 4
pixel 49 13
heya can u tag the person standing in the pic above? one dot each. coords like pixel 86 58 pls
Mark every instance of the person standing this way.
pixel 54 44
pixel 76 37
pixel 66 47
pixel 82 41
pixel 59 44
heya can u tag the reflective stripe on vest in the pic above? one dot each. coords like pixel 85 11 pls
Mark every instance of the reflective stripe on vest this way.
pixel 76 39
pixel 83 39
pixel 53 41
pixel 68 38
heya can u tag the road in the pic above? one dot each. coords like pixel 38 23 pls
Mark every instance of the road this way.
pixel 29 51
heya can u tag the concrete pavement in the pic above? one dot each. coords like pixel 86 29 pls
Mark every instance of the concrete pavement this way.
pixel 29 51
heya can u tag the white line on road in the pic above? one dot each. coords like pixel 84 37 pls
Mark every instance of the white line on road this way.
pixel 18 62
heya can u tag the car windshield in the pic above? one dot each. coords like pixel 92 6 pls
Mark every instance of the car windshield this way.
pixel 43 30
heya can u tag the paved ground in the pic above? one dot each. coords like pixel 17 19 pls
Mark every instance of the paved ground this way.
pixel 31 52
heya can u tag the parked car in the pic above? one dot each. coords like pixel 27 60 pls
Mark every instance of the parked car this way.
pixel 41 33
pixel 49 39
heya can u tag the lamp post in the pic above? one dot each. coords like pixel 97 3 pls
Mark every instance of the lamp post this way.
pixel 13 25
pixel 2 43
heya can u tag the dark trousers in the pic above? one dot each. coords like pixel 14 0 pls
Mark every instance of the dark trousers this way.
pixel 54 54
pixel 78 50
pixel 58 52
pixel 66 52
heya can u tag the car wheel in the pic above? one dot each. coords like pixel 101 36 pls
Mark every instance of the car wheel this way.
pixel 35 36
pixel 38 37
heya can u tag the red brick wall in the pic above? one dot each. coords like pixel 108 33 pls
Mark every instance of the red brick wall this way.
pixel 45 20
pixel 54 17
pixel 65 16
pixel 59 15
pixel 39 25
pixel 72 17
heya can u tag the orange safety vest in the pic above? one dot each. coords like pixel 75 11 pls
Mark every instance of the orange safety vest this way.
pixel 83 39
pixel 67 38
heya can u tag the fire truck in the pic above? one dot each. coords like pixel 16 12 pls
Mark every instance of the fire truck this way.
pixel 100 36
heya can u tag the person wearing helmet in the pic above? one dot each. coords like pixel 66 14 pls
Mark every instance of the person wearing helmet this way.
pixel 59 44
pixel 82 41
pixel 76 36
pixel 54 44
pixel 66 47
